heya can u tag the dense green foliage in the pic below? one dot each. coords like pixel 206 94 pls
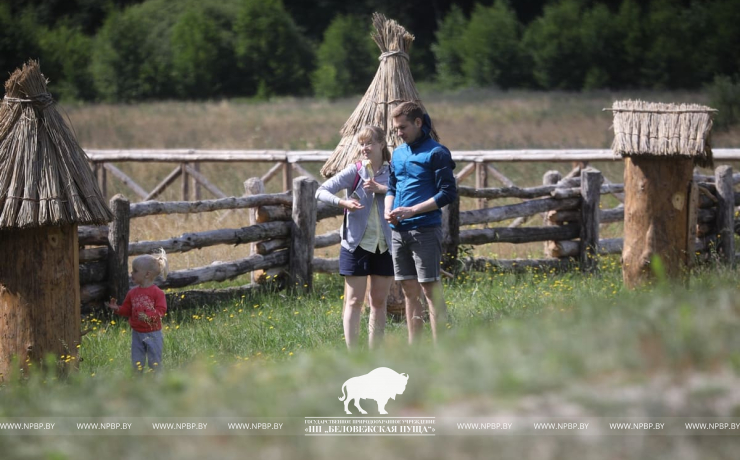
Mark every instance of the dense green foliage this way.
pixel 346 59
pixel 273 56
pixel 724 95
pixel 490 47
pixel 128 50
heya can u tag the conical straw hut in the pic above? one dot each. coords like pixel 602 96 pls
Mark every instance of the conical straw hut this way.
pixel 661 144
pixel 46 190
pixel 392 85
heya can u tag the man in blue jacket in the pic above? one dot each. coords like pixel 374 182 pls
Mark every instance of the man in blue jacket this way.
pixel 421 182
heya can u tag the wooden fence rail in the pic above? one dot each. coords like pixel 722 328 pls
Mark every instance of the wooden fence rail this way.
pixel 288 162
pixel 283 232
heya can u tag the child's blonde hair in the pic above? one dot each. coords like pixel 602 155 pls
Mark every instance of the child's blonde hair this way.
pixel 156 262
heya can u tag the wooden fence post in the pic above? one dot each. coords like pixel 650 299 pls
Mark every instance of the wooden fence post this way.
pixel 303 231
pixel 481 181
pixel 196 185
pixel 287 176
pixel 254 186
pixel 550 178
pixel 185 182
pixel 450 235
pixel 118 235
pixel 725 215
pixel 102 178
pixel 591 181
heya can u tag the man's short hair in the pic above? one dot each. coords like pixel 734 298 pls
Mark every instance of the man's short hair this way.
pixel 412 110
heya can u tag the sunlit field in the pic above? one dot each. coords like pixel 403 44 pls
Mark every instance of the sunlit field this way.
pixel 466 120
pixel 566 346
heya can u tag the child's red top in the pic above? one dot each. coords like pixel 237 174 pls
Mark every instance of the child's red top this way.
pixel 150 301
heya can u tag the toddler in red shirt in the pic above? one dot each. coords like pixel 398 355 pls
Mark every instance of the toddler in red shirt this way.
pixel 145 305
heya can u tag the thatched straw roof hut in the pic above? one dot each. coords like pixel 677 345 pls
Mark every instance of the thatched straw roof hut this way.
pixel 392 85
pixel 46 190
pixel 45 177
pixel 658 129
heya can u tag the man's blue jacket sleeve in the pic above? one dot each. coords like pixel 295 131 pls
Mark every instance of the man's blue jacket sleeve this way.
pixel 444 178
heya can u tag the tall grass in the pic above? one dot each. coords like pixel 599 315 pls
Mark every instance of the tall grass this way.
pixel 538 344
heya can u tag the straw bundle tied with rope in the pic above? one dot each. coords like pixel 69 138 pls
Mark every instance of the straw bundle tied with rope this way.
pixel 45 178
pixel 657 129
pixel 392 85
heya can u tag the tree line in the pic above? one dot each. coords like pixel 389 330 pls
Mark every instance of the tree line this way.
pixel 132 50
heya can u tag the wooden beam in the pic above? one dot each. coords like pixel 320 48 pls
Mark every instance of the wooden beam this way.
pixel 102 178
pixel 185 182
pixel 499 175
pixel 562 193
pixel 506 192
pixel 481 181
pixel 271 172
pixel 591 180
pixel 201 179
pixel 196 185
pixel 519 235
pixel 568 248
pixel 272 213
pixel 512 211
pixel 465 172
pixel 118 238
pixel 92 235
pixel 198 240
pixel 522 155
pixel 223 271
pixel 253 187
pixel 550 179
pixel 269 246
pixel 325 265
pixel 188 207
pixel 164 184
pixel 327 239
pixel 130 183
pixel 303 172
pixel 287 176
pixel 725 215
pixel 303 230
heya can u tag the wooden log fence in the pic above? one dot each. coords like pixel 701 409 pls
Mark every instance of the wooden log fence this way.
pixel 286 162
pixel 283 232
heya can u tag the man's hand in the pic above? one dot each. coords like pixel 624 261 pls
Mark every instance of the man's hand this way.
pixel 390 217
pixel 403 213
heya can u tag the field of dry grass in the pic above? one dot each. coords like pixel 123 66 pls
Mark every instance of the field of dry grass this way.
pixel 465 120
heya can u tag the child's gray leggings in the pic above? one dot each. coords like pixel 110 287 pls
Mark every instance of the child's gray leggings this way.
pixel 146 349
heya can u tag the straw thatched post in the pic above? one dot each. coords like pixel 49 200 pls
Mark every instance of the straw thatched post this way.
pixel 46 190
pixel 392 85
pixel 661 144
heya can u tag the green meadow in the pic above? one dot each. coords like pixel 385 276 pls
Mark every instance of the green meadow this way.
pixel 539 344
pixel 536 344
